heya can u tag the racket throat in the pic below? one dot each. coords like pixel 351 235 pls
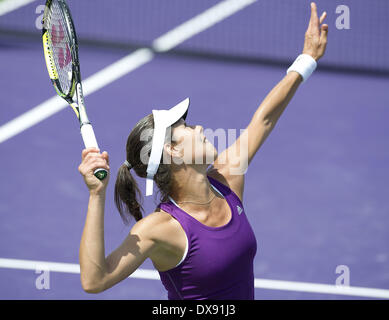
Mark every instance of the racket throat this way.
pixel 83 117
pixel 80 95
pixel 81 106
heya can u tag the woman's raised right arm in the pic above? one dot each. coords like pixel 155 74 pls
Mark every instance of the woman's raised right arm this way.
pixel 99 273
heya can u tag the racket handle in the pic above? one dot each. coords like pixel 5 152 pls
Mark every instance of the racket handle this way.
pixel 89 138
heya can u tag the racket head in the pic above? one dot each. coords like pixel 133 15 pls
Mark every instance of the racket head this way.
pixel 60 48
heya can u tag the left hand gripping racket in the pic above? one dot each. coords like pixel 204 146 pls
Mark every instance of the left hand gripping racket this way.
pixel 61 54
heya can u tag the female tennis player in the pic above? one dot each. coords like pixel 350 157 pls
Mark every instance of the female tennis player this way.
pixel 198 237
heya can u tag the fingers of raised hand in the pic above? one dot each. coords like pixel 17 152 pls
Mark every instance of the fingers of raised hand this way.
pixel 105 156
pixel 323 16
pixel 92 159
pixel 314 21
pixel 95 158
pixel 324 32
pixel 323 36
pixel 86 151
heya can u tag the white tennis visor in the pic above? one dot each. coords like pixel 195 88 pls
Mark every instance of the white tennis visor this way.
pixel 163 119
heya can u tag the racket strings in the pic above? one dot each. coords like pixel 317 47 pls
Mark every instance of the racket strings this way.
pixel 60 42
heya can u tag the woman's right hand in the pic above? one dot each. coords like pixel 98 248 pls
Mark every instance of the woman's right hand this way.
pixel 92 160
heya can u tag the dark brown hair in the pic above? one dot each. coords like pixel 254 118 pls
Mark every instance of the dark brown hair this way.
pixel 128 197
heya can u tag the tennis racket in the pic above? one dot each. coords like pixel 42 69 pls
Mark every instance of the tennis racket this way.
pixel 61 54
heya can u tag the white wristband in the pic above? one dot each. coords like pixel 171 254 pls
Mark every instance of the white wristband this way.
pixel 304 65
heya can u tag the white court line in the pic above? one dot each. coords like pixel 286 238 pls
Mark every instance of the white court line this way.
pixel 321 288
pixel 129 63
pixel 199 23
pixel 258 283
pixel 90 85
pixel 65 268
pixel 11 5
pixel 115 71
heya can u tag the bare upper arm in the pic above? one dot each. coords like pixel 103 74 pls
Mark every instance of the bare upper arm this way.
pixel 141 243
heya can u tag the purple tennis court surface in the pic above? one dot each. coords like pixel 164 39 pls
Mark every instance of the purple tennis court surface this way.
pixel 316 193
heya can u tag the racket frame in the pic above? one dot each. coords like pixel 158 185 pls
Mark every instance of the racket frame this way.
pixel 78 107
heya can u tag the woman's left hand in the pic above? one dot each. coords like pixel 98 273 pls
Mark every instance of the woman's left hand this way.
pixel 316 35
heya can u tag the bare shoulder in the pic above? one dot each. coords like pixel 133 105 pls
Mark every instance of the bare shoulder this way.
pixel 169 238
pixel 222 173
pixel 159 226
pixel 152 224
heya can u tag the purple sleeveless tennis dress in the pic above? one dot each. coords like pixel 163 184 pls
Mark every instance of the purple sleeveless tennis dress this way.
pixel 219 261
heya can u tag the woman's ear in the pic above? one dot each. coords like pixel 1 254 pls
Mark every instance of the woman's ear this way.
pixel 173 150
pixel 168 149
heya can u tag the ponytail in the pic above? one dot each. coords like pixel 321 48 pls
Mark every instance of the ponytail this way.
pixel 126 188
pixel 126 192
